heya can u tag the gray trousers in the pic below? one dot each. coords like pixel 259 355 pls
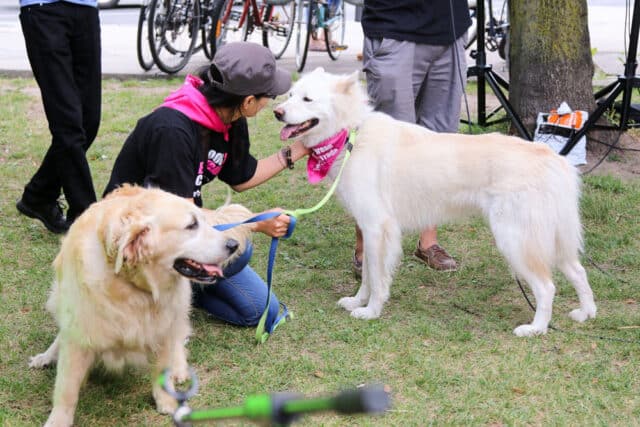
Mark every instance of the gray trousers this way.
pixel 416 83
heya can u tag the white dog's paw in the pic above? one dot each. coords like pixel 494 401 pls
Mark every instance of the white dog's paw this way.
pixel 529 331
pixel 40 361
pixel 59 417
pixel 57 423
pixel 165 404
pixel 580 315
pixel 350 303
pixel 365 313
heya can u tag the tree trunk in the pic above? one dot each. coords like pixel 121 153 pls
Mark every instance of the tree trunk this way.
pixel 549 58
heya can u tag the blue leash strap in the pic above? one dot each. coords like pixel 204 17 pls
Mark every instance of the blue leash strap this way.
pixel 263 331
pixel 257 218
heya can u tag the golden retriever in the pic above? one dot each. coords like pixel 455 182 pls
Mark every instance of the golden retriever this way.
pixel 402 177
pixel 121 292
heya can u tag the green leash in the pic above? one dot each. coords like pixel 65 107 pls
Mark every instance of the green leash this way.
pixel 349 146
pixel 261 334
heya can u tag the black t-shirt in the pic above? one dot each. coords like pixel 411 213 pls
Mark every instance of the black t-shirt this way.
pixel 418 21
pixel 167 150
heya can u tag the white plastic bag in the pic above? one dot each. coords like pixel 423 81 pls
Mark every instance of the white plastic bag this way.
pixel 557 127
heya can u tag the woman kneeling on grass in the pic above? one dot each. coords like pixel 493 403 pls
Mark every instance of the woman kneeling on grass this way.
pixel 199 133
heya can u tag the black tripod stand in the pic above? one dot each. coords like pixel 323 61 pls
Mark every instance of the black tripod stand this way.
pixel 485 74
pixel 624 84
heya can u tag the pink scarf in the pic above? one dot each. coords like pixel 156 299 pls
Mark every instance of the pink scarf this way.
pixel 190 102
pixel 324 155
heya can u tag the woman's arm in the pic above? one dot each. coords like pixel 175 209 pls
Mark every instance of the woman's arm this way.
pixel 273 227
pixel 270 166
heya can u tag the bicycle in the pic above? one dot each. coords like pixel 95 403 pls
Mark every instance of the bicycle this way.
pixel 173 27
pixel 237 20
pixel 496 29
pixel 314 16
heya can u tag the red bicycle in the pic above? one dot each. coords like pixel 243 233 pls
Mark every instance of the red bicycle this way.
pixel 239 20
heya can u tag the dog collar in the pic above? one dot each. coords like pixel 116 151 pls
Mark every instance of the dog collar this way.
pixel 323 155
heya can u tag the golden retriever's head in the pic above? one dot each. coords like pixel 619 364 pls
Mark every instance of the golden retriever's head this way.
pixel 154 232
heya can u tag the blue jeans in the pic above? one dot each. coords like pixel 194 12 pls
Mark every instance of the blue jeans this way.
pixel 240 297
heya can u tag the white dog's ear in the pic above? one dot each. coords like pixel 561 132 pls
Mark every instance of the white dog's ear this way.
pixel 348 83
pixel 318 70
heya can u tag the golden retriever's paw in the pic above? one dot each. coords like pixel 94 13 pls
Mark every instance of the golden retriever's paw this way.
pixel 529 331
pixel 350 303
pixel 365 313
pixel 580 315
pixel 40 361
pixel 165 404
pixel 180 374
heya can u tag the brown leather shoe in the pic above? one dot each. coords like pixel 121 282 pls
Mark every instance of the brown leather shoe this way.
pixel 436 257
pixel 357 267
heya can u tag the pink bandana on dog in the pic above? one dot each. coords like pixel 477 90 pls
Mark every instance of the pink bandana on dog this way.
pixel 323 155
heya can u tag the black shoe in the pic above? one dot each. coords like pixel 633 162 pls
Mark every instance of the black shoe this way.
pixel 49 213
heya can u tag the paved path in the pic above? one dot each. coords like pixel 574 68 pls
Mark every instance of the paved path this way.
pixel 606 23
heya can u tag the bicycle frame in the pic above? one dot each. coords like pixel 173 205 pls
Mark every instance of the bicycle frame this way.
pixel 320 12
pixel 255 10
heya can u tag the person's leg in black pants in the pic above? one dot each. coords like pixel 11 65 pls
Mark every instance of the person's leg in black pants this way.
pixel 63 45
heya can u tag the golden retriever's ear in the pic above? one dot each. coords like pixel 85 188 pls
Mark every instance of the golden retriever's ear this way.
pixel 348 83
pixel 132 243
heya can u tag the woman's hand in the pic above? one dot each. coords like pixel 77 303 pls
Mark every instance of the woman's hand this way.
pixel 274 227
pixel 298 150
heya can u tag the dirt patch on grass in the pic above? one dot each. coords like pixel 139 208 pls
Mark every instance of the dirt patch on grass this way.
pixel 620 158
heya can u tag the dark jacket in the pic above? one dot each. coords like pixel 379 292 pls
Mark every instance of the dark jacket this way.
pixel 419 21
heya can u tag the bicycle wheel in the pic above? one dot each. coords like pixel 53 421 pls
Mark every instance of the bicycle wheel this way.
pixel 207 25
pixel 277 27
pixel 173 31
pixel 304 27
pixel 232 22
pixel 143 49
pixel 334 28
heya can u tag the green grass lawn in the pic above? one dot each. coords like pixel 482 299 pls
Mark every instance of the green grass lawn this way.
pixel 443 345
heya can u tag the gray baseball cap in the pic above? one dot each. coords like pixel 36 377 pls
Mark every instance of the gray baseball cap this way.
pixel 244 68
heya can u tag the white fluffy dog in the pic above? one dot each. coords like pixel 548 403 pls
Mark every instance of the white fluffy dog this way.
pixel 402 177
pixel 121 291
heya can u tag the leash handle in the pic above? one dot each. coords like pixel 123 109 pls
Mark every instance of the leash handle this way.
pixel 180 395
